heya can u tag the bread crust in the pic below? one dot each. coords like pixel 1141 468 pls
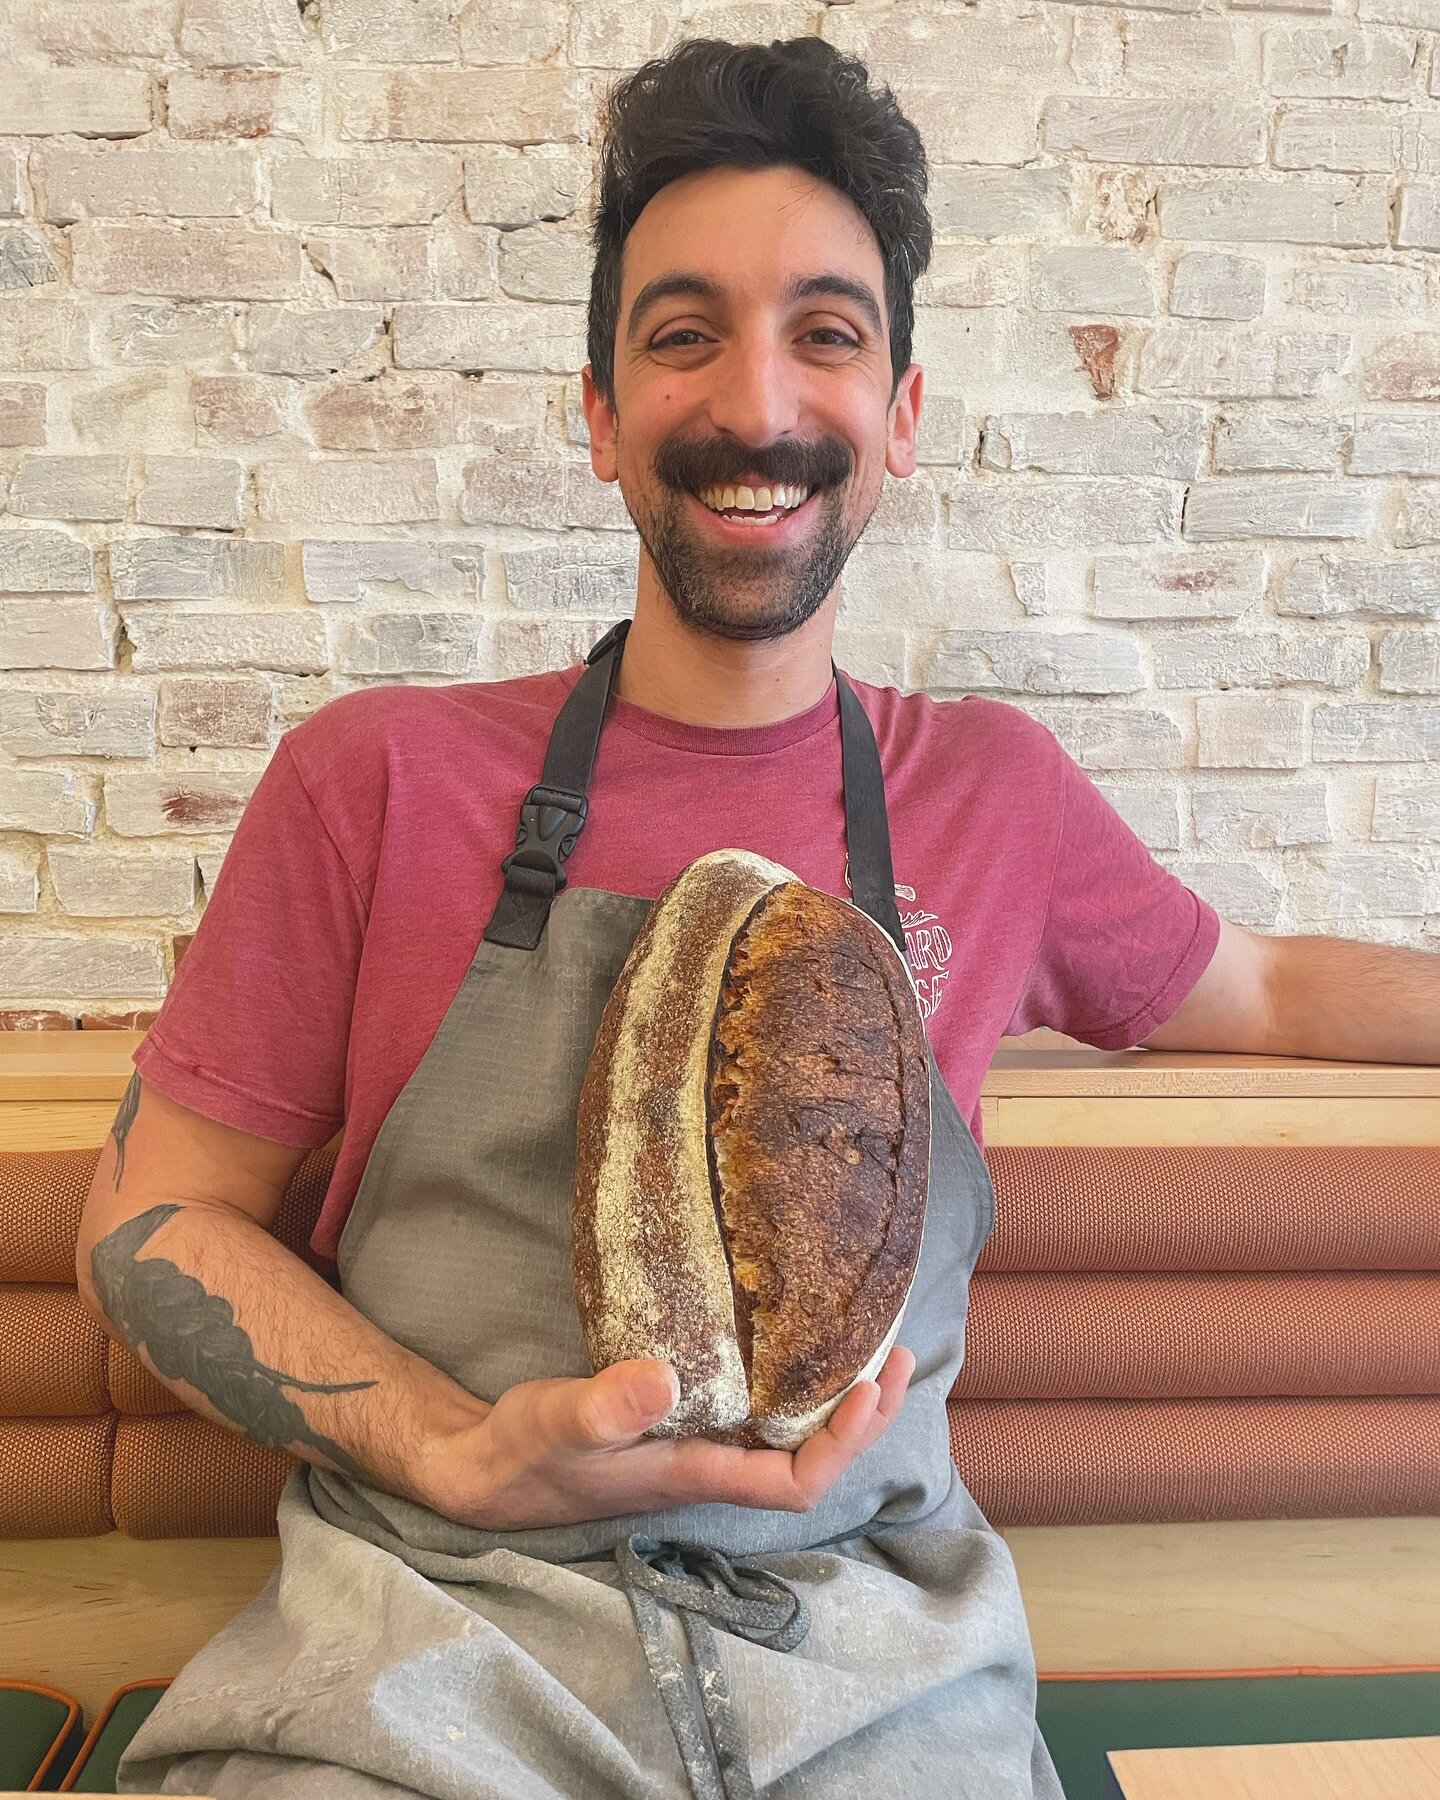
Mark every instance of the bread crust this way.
pixel 752 1151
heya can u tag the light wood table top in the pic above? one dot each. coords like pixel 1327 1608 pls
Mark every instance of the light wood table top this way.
pixel 1366 1769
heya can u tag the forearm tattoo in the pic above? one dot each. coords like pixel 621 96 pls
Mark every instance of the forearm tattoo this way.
pixel 190 1335
pixel 124 1119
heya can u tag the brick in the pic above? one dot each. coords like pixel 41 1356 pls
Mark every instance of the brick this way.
pixel 1184 586
pixel 70 487
pixel 1404 812
pixel 240 409
pixel 508 186
pixel 1410 661
pixel 1394 444
pixel 590 573
pixel 1404 368
pixel 45 800
pixel 504 491
pixel 1210 362
pixel 880 657
pixel 1341 61
pixel 1239 891
pixel 1142 441
pixel 216 713
pixel 618 34
pixel 286 340
pixel 464 263
pixel 347 491
pixel 1294 509
pixel 906 42
pixel 1238 819
pixel 1196 660
pixel 454 106
pixel 379 31
pixel 501 413
pixel 45 562
pixel 188 261
pixel 1153 814
pixel 42 966
pixel 929 577
pixel 1299 210
pixel 546 262
pixel 192 490
pixel 1248 731
pixel 14 198
pixel 999 358
pixel 907 512
pixel 1328 137
pixel 1376 731
pixel 120 32
pixel 123 884
pixel 473 339
pixel 22 414
pixel 152 407
pixel 393 187
pixel 513 646
pixel 25 263
pixel 195 568
pixel 1006 130
pixel 1031 662
pixel 1217 133
pixel 961 275
pixel 1113 737
pixel 42 334
pixel 193 183
pixel 1359 885
pixel 168 331
pixel 1155 48
pixel 1418 227
pixel 56 634
pixel 351 569
pixel 244 34
pixel 1418 521
pixel 989 203
pixel 390 264
pixel 1211 284
pixel 220 640
pixel 88 102
pixel 1359 291
pixel 1325 587
pixel 1256 441
pixel 208 862
pixel 94 722
pixel 993 515
pixel 946 433
pixel 411 643
pixel 389 413
pixel 1424 14
pixel 241 103
pixel 512 31
pixel 155 803
pixel 1090 278
pixel 19 880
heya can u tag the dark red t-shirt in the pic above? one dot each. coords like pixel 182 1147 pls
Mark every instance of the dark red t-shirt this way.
pixel 367 864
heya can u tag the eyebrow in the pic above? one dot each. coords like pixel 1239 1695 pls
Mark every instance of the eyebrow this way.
pixel 799 287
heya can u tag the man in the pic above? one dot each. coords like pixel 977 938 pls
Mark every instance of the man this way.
pixel 492 1583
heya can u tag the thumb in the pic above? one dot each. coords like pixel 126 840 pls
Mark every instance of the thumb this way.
pixel 625 1400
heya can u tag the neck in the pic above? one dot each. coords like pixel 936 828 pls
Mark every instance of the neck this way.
pixel 683 674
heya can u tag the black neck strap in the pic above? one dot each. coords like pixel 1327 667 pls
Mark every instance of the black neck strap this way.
pixel 552 814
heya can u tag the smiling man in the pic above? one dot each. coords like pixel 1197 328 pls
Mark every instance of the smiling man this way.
pixel 494 1585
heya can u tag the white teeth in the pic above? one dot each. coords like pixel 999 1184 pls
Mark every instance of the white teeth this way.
pixel 761 501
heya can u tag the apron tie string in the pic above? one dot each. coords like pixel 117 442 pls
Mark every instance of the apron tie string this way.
pixel 704 1586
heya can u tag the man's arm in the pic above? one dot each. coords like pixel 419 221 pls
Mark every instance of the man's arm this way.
pixel 175 1258
pixel 1334 998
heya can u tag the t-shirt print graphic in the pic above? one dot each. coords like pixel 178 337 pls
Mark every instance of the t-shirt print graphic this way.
pixel 928 947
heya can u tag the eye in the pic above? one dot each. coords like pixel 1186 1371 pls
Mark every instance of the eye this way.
pixel 688 331
pixel 684 331
pixel 830 331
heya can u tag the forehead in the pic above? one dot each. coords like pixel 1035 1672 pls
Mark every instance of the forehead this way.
pixel 750 232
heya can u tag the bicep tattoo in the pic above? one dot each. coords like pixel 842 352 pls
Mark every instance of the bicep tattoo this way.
pixel 124 1119
pixel 190 1335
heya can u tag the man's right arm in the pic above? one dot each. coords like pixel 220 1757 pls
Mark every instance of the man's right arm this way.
pixel 175 1258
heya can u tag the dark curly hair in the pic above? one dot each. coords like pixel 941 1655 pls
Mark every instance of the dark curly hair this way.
pixel 755 106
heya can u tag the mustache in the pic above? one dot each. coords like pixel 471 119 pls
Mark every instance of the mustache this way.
pixel 696 463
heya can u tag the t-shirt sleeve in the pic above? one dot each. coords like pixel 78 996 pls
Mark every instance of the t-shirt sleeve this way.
pixel 1123 941
pixel 255 1027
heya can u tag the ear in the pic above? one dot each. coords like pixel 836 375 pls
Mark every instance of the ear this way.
pixel 904 422
pixel 601 419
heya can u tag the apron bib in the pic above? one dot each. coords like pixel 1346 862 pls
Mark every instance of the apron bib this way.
pixel 874 1644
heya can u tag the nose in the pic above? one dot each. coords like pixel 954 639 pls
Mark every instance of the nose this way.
pixel 755 396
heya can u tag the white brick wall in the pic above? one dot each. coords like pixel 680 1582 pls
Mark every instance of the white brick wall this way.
pixel 291 318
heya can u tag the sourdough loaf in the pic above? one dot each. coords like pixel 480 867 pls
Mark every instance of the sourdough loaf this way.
pixel 752 1152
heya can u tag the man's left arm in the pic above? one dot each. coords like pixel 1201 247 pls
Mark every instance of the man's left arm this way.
pixel 1334 998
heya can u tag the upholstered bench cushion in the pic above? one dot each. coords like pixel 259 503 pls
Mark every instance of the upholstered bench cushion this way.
pixel 93 1771
pixel 1082 1717
pixel 40 1733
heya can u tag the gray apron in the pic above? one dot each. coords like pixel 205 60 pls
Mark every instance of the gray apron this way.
pixel 874 1645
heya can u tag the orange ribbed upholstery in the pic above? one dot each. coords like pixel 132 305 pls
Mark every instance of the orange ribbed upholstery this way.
pixel 1124 1462
pixel 182 1476
pixel 132 1388
pixel 1098 1336
pixel 1214 1207
pixel 55 1477
pixel 53 1362
pixel 42 1194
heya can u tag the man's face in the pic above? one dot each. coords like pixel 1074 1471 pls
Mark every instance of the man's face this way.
pixel 731 375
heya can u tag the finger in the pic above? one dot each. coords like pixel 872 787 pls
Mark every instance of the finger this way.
pixel 621 1403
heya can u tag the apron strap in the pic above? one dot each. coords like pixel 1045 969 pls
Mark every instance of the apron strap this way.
pixel 552 814
pixel 867 825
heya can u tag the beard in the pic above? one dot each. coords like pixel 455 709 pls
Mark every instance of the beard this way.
pixel 749 593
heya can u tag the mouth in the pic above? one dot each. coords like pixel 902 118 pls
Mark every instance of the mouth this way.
pixel 748 524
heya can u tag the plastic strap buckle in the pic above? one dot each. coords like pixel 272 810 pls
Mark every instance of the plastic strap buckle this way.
pixel 550 822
